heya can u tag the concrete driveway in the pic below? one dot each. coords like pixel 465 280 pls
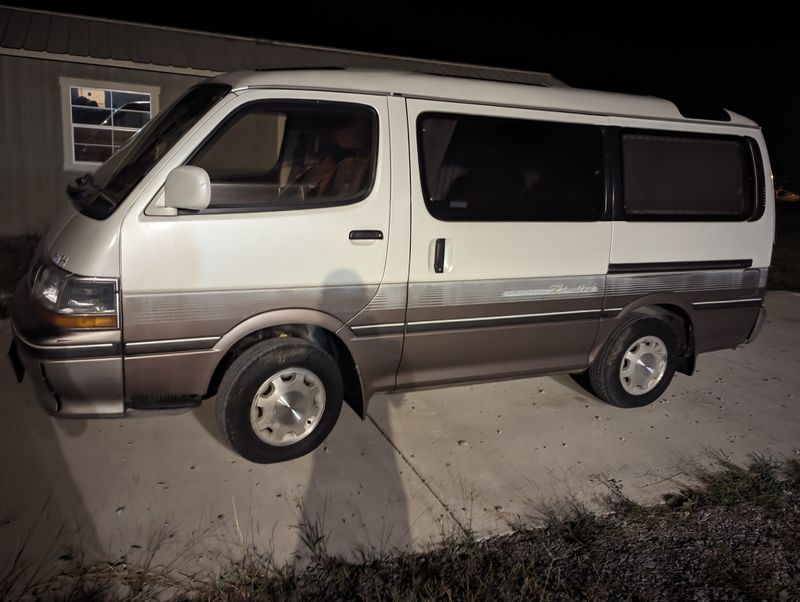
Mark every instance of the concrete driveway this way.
pixel 423 465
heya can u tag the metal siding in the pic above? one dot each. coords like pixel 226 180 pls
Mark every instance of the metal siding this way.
pixel 31 145
pixel 183 50
pixel 138 49
pixel 240 52
pixel 79 36
pixel 17 30
pixel 58 40
pixel 98 40
pixel 78 40
pixel 119 42
pixel 5 17
pixel 38 32
pixel 169 49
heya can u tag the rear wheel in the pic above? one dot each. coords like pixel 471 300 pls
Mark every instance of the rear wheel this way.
pixel 279 400
pixel 636 364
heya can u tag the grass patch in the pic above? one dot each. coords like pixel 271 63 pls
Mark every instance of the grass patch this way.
pixel 761 482
pixel 572 521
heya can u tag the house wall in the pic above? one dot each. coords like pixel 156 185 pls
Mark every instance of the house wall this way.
pixel 32 174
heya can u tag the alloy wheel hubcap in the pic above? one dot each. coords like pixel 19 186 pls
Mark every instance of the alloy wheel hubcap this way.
pixel 287 406
pixel 643 365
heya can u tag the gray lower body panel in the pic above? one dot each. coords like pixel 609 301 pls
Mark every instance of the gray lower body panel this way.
pixel 79 388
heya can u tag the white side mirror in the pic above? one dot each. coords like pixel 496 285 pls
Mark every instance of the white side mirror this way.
pixel 187 187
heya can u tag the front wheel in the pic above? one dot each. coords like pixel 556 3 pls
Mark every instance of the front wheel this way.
pixel 279 400
pixel 636 364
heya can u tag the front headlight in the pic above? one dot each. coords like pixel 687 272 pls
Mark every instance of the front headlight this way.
pixel 70 301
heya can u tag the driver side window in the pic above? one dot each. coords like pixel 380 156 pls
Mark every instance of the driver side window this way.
pixel 271 156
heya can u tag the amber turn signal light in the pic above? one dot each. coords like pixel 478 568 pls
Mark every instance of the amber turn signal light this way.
pixel 75 322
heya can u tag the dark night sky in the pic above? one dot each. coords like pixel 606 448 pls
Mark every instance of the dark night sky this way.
pixel 741 62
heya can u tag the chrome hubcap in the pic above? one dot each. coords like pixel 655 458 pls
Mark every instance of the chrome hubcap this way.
pixel 643 365
pixel 287 407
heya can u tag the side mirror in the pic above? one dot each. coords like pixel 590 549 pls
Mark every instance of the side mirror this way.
pixel 187 187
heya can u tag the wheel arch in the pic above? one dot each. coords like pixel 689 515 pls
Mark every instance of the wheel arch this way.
pixel 311 325
pixel 670 308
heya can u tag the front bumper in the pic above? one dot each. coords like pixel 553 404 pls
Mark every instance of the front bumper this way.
pixel 76 374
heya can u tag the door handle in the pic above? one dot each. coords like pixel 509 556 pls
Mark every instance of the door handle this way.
pixel 438 256
pixel 366 235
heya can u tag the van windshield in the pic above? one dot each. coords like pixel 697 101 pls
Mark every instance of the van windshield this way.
pixel 98 195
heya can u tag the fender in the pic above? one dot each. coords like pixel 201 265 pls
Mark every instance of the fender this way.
pixel 300 317
pixel 609 325
pixel 278 317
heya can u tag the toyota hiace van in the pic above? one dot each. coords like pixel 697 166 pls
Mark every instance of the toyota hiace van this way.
pixel 286 241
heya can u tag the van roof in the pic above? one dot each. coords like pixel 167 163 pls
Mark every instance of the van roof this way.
pixel 421 85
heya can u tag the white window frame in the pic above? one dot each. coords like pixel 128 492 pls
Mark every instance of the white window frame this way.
pixel 66 114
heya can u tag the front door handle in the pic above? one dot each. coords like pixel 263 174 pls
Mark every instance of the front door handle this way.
pixel 366 235
pixel 438 256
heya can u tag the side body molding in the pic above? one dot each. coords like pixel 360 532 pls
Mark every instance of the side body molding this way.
pixel 191 372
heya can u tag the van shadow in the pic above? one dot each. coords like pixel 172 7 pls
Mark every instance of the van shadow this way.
pixel 42 513
pixel 353 504
pixel 354 497
pixel 577 383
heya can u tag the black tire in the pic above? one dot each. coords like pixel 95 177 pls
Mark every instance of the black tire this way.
pixel 250 371
pixel 604 373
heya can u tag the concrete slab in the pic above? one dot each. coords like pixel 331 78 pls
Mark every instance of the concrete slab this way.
pixel 482 455
pixel 494 452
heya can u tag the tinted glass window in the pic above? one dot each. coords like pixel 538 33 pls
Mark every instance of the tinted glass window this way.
pixel 496 169
pixel 272 156
pixel 678 176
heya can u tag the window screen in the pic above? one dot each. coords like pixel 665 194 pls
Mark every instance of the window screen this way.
pixel 272 156
pixel 686 177
pixel 496 169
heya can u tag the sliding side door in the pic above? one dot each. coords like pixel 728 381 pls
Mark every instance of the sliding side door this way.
pixel 510 242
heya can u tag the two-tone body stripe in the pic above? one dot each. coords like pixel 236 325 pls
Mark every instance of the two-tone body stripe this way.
pixel 395 308
pixel 427 325
pixel 622 280
pixel 683 282
pixel 728 303
pixel 67 351
pixel 170 345
pixel 376 329
pixel 456 323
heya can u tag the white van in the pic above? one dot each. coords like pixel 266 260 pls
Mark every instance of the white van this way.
pixel 288 240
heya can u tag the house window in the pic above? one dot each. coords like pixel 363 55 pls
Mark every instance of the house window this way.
pixel 100 118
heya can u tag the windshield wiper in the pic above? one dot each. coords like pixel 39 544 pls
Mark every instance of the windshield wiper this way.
pixel 81 187
pixel 89 198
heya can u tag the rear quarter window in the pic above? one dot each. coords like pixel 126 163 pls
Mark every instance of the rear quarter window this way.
pixel 689 177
